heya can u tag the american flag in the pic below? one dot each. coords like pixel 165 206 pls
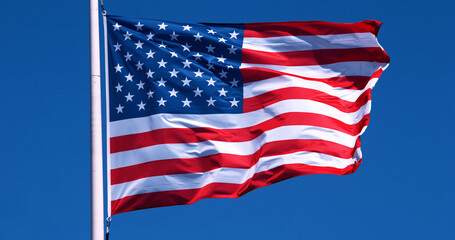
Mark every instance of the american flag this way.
pixel 216 110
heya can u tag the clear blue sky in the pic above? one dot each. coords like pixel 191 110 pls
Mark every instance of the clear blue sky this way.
pixel 404 189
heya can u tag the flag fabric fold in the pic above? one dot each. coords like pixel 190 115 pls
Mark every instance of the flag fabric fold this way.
pixel 216 110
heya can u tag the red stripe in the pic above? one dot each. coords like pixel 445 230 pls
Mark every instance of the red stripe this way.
pixel 261 101
pixel 207 163
pixel 255 74
pixel 222 190
pixel 315 57
pixel 263 30
pixel 192 135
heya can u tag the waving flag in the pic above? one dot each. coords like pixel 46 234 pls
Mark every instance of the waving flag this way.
pixel 216 110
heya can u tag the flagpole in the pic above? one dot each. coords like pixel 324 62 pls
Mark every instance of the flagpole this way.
pixel 97 208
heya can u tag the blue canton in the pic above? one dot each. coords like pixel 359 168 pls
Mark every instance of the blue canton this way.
pixel 166 67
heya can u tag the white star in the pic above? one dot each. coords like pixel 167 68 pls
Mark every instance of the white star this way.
pixel 129 77
pixel 117 26
pixel 173 54
pixel 211 31
pixel 139 44
pixel 232 49
pixel 222 40
pixel 221 59
pixel 186 64
pixel 230 66
pixel 197 37
pixel 173 73
pixel 234 103
pixel 150 36
pixel 149 74
pixel 150 54
pixel 222 92
pixel 186 102
pixel 128 56
pixel 197 56
pixel 141 106
pixel 234 82
pixel 173 93
pixel 198 92
pixel 118 68
pixel 186 28
pixel 162 82
pixel 129 97
pixel 162 26
pixel 174 36
pixel 211 82
pixel 162 45
pixel 223 74
pixel 127 36
pixel 119 108
pixel 162 102
pixel 139 65
pixel 140 85
pixel 211 101
pixel 186 47
pixel 186 81
pixel 117 46
pixel 198 73
pixel 210 66
pixel 118 87
pixel 234 34
pixel 150 94
pixel 162 63
pixel 139 26
pixel 210 48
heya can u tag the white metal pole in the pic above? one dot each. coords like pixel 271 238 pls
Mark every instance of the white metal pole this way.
pixel 97 209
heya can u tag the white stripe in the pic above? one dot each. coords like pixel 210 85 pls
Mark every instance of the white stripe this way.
pixel 223 175
pixel 354 68
pixel 230 121
pixel 207 148
pixel 314 42
pixel 257 88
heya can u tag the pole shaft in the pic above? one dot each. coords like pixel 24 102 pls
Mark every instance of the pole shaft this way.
pixel 97 209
